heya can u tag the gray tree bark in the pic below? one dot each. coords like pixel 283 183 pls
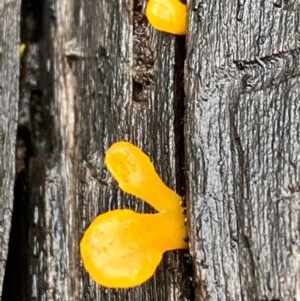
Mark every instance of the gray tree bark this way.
pixel 9 92
pixel 242 146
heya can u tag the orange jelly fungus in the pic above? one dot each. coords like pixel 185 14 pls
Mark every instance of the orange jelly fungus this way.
pixel 122 248
pixel 167 15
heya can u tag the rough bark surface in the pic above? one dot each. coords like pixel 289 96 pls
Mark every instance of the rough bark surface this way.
pixel 9 91
pixel 242 144
pixel 99 99
pixel 103 75
pixel 224 131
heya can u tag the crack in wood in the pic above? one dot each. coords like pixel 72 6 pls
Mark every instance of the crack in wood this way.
pixel 17 269
pixel 270 70
pixel 257 74
pixel 143 58
pixel 179 110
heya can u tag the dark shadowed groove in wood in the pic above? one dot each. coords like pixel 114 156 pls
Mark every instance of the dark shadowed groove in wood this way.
pixel 180 168
pixel 15 280
pixel 143 56
pixel 265 72
pixel 179 108
pixel 36 94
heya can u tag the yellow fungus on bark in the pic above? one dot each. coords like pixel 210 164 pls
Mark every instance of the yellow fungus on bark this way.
pixel 167 15
pixel 22 48
pixel 136 175
pixel 122 248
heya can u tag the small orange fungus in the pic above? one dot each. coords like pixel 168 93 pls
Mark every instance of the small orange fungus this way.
pixel 167 15
pixel 122 248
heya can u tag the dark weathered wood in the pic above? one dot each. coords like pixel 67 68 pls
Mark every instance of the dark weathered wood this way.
pixel 96 73
pixel 9 92
pixel 242 149
pixel 111 81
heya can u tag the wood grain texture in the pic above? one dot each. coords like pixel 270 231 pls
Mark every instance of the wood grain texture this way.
pixel 9 93
pixel 242 149
pixel 109 77
pixel 291 5
pixel 98 73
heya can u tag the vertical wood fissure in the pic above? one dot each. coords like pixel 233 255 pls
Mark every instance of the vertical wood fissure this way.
pixel 179 114
pixel 179 140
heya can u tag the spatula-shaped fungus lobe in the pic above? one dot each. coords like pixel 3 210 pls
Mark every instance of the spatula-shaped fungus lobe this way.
pixel 122 248
pixel 167 15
